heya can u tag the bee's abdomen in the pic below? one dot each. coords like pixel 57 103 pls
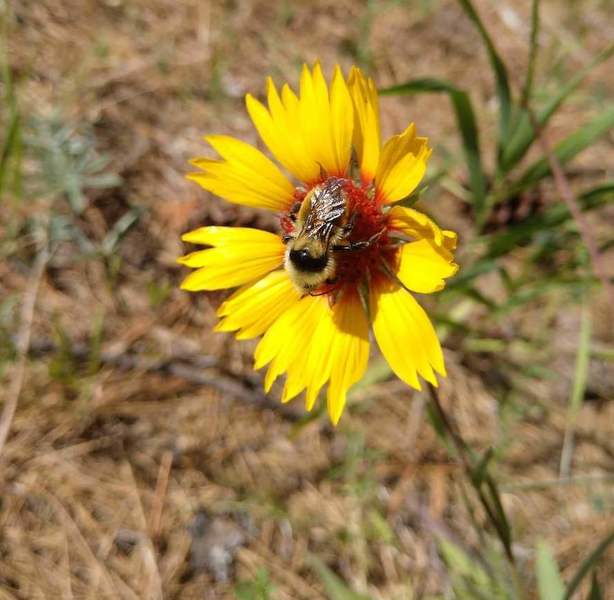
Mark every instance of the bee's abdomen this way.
pixel 304 261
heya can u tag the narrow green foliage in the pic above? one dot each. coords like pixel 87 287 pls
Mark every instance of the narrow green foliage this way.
pixel 528 82
pixel 469 579
pixel 259 588
pixel 503 89
pixel 63 367
pixel 549 582
pixel 587 565
pixel 335 588
pixel 523 135
pixel 10 150
pixel 582 361
pixel 119 230
pixel 481 469
pixel 499 519
pixel 595 591
pixel 549 219
pixel 467 126
pixel 566 150
pixel 93 360
pixel 69 162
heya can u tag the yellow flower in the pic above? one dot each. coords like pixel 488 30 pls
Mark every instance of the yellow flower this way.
pixel 313 290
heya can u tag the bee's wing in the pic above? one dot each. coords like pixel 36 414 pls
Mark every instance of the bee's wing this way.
pixel 327 206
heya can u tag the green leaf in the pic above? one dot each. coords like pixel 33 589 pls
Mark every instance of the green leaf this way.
pixel 582 360
pixel 467 126
pixel 257 589
pixel 549 582
pixel 566 150
pixel 481 470
pixel 527 88
pixel 512 236
pixel 595 593
pixel 500 72
pixel 524 134
pixel 119 229
pixel 469 579
pixel 335 588
pixel 10 150
pixel 587 565
pixel 502 524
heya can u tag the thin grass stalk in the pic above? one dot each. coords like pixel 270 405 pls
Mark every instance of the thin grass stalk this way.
pixel 464 452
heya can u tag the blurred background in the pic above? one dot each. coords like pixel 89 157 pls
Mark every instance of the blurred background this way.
pixel 139 457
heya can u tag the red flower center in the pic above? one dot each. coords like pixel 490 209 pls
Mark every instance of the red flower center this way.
pixel 358 241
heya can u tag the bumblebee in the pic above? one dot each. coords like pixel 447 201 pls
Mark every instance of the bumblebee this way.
pixel 322 225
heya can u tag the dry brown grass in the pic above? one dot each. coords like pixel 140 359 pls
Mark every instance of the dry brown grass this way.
pixel 117 481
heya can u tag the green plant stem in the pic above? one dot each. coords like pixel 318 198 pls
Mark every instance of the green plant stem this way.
pixel 463 452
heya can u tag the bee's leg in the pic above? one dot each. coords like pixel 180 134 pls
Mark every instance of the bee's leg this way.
pixel 349 226
pixel 362 245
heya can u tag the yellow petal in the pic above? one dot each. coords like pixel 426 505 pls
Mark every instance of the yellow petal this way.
pixel 280 129
pixel 422 268
pixel 404 334
pixel 286 340
pixel 311 132
pixel 417 225
pixel 402 165
pixel 349 351
pixel 316 119
pixel 240 255
pixel 337 351
pixel 254 308
pixel 366 123
pixel 244 176
pixel 313 343
pixel 342 122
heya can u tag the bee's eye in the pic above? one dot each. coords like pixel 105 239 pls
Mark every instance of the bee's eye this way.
pixel 304 261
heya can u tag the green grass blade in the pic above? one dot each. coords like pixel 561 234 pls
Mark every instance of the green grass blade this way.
pixel 467 126
pixel 549 582
pixel 335 588
pixel 595 592
pixel 9 148
pixel 577 391
pixel 259 588
pixel 587 565
pixel 12 127
pixel 502 242
pixel 566 150
pixel 502 525
pixel 503 88
pixel 468 578
pixel 524 134
pixel 527 88
pixel 582 359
